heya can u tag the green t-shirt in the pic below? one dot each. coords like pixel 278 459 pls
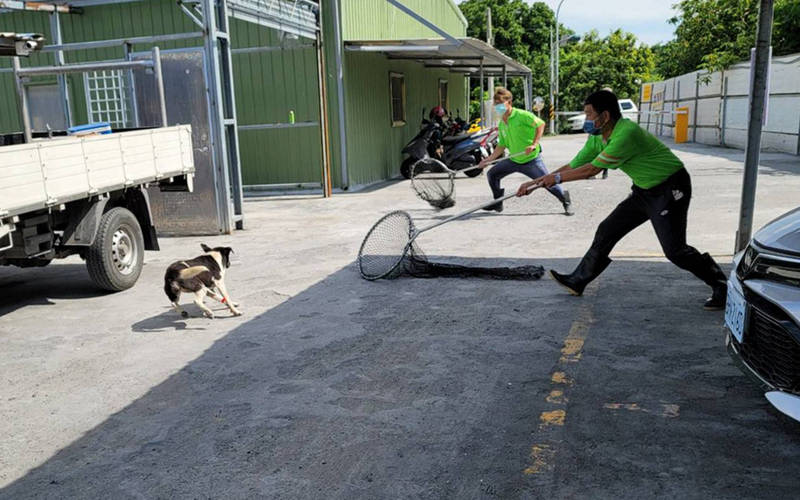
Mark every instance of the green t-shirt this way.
pixel 519 133
pixel 632 149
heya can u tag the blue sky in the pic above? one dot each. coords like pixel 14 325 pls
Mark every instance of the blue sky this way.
pixel 647 19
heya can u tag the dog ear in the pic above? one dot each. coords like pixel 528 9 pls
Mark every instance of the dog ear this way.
pixel 205 247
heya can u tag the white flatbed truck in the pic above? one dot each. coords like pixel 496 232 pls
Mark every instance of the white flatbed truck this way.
pixel 87 196
pixel 67 195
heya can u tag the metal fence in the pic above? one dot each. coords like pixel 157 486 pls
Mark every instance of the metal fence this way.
pixel 718 105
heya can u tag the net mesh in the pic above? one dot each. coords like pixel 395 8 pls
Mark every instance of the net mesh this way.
pixel 388 251
pixel 433 182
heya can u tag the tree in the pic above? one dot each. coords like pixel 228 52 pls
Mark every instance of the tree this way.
pixel 786 27
pixel 520 31
pixel 713 34
pixel 618 61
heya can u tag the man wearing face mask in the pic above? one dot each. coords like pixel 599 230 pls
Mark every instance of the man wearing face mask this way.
pixel 660 193
pixel 519 131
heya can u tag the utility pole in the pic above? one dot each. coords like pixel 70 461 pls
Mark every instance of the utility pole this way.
pixel 760 71
pixel 490 42
pixel 552 77
pixel 557 46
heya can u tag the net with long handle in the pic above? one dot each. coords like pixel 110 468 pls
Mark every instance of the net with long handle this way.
pixel 434 182
pixel 389 251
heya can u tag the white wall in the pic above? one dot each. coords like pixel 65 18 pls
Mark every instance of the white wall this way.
pixel 718 104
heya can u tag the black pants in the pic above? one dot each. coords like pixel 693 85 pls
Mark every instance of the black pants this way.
pixel 666 206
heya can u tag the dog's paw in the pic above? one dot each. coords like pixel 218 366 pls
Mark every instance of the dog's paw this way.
pixel 236 312
pixel 209 315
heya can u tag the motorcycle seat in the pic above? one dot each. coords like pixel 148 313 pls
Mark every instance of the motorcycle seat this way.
pixel 455 138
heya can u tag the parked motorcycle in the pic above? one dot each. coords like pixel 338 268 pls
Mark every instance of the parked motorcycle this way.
pixel 458 152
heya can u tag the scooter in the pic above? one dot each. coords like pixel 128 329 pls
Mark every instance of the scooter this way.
pixel 458 152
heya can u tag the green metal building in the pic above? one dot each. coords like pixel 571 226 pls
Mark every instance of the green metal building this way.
pixel 383 83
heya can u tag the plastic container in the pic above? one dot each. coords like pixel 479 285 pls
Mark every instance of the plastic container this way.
pixel 90 128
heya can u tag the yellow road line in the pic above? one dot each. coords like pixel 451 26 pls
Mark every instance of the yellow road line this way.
pixel 543 454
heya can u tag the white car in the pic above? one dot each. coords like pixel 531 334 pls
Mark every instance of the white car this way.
pixel 628 108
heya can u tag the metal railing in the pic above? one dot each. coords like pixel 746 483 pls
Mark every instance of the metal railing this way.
pixel 21 73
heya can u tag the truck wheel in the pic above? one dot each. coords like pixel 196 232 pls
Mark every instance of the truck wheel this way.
pixel 115 258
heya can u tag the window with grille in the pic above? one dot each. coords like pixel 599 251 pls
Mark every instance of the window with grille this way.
pixel 108 98
pixel 397 83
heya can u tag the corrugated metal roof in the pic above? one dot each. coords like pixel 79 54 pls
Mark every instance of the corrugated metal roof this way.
pixel 465 57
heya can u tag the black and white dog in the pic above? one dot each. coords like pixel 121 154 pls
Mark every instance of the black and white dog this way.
pixel 203 275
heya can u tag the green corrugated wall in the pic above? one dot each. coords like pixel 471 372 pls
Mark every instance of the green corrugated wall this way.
pixel 379 20
pixel 373 144
pixel 270 84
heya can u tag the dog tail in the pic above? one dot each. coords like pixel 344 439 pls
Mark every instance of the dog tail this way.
pixel 171 288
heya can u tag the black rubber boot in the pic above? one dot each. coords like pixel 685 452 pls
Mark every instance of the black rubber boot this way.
pixel 717 300
pixel 714 277
pixel 589 268
pixel 496 207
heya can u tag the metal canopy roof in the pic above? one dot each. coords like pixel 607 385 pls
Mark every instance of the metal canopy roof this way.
pixel 465 57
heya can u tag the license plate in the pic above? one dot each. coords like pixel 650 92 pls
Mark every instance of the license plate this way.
pixel 735 312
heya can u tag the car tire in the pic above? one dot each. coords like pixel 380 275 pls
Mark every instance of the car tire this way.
pixel 115 259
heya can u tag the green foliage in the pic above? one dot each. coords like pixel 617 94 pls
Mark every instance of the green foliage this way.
pixel 522 32
pixel 617 61
pixel 714 34
pixel 786 27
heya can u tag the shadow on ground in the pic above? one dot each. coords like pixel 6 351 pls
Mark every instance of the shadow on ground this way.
pixel 37 286
pixel 419 388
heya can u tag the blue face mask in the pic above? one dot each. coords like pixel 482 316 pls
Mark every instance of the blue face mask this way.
pixel 590 128
pixel 500 109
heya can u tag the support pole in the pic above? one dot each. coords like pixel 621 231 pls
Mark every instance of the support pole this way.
pixel 552 95
pixel 159 77
pixel 753 148
pixel 337 43
pixel 323 113
pixel 23 101
pixel 483 118
pixel 489 41
pixel 526 80
pixel 227 171
pixel 58 59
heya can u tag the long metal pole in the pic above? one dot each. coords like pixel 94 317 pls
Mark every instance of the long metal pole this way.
pixel 552 73
pixel 337 48
pixel 159 77
pixel 557 44
pixel 489 41
pixel 483 118
pixel 58 58
pixel 323 113
pixel 753 148
pixel 23 100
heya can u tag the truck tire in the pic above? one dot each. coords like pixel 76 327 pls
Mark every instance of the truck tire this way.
pixel 115 258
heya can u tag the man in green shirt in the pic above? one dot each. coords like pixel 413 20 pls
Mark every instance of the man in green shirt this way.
pixel 519 131
pixel 660 193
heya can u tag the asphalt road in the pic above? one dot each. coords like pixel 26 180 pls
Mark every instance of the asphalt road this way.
pixel 333 387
